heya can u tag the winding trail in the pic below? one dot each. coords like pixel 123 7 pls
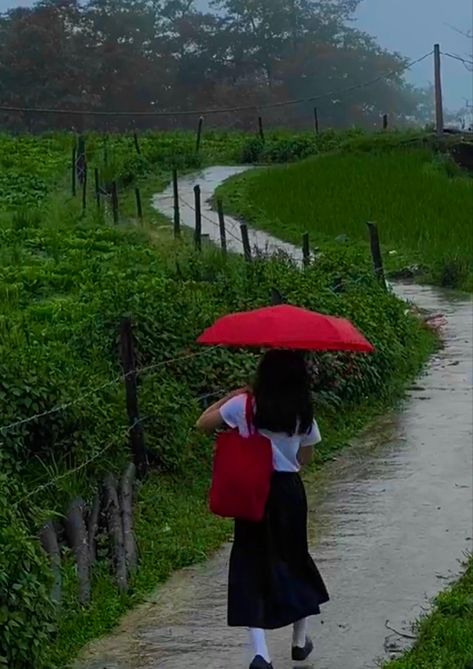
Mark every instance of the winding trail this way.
pixel 390 521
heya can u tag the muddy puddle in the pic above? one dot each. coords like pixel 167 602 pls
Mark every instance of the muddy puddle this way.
pixel 390 521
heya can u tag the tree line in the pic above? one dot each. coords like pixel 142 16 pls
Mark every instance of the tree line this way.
pixel 163 55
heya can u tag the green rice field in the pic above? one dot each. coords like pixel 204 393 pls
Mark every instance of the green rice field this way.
pixel 422 204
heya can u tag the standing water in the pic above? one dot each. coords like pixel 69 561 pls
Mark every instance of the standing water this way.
pixel 391 519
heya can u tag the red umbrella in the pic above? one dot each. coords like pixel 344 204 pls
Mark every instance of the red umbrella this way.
pixel 287 327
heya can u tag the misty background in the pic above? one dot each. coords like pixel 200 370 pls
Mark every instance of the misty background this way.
pixel 410 27
pixel 171 55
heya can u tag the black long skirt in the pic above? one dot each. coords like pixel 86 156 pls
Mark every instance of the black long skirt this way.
pixel 273 580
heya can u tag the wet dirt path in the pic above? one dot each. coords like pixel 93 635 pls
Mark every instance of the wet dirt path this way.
pixel 390 519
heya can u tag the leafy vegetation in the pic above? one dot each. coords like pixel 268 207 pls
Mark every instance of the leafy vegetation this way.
pixel 29 167
pixel 26 612
pixel 420 200
pixel 446 636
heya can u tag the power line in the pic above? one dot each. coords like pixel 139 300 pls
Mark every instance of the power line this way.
pixel 465 61
pixel 222 110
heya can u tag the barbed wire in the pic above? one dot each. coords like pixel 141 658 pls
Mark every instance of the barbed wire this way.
pixel 93 391
pixel 76 469
pixel 214 223
pixel 353 282
pixel 125 433
pixel 221 110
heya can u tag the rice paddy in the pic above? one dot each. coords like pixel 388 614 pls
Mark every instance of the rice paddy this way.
pixel 422 204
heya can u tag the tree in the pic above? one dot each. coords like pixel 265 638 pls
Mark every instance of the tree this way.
pixel 165 54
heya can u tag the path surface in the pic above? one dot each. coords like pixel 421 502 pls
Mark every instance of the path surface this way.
pixel 209 180
pixel 390 520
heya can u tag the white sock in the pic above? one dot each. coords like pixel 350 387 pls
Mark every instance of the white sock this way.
pixel 299 635
pixel 258 639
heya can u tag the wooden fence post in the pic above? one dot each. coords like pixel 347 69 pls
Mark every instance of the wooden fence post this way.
pixel 105 150
pixel 136 142
pixel 137 442
pixel 246 242
pixel 276 297
pixel 139 206
pixel 316 120
pixel 198 219
pixel 97 186
pixel 306 249
pixel 115 202
pixel 81 159
pixel 261 128
pixel 376 253
pixel 221 224
pixel 177 213
pixel 73 171
pixel 84 191
pixel 199 134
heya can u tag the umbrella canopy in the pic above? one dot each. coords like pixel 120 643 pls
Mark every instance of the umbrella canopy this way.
pixel 286 327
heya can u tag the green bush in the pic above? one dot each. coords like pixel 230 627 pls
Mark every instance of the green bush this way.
pixel 29 168
pixel 251 151
pixel 26 613
pixel 285 147
pixel 290 149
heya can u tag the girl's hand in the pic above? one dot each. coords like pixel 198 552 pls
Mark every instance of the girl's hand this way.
pixel 211 419
pixel 238 391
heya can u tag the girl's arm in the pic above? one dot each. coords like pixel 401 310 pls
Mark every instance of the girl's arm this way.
pixel 305 455
pixel 211 420
pixel 308 441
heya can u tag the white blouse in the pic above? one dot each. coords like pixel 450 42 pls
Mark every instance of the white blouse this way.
pixel 285 447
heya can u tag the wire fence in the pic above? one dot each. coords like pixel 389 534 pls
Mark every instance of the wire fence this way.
pixel 126 431
pixel 94 391
pixel 119 438
pixel 296 255
pixel 74 470
pixel 233 225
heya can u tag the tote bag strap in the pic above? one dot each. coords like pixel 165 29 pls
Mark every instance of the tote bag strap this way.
pixel 250 414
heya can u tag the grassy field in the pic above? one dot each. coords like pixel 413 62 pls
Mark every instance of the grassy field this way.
pixel 422 206
pixel 445 638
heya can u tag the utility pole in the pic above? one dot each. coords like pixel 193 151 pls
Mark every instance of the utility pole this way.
pixel 438 91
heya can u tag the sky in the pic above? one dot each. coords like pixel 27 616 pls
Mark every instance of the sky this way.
pixel 411 27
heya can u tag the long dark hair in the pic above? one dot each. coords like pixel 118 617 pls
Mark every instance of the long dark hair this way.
pixel 282 393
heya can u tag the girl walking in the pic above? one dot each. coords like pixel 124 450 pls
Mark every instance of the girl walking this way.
pixel 273 581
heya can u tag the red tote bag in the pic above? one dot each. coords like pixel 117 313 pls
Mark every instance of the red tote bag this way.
pixel 242 472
